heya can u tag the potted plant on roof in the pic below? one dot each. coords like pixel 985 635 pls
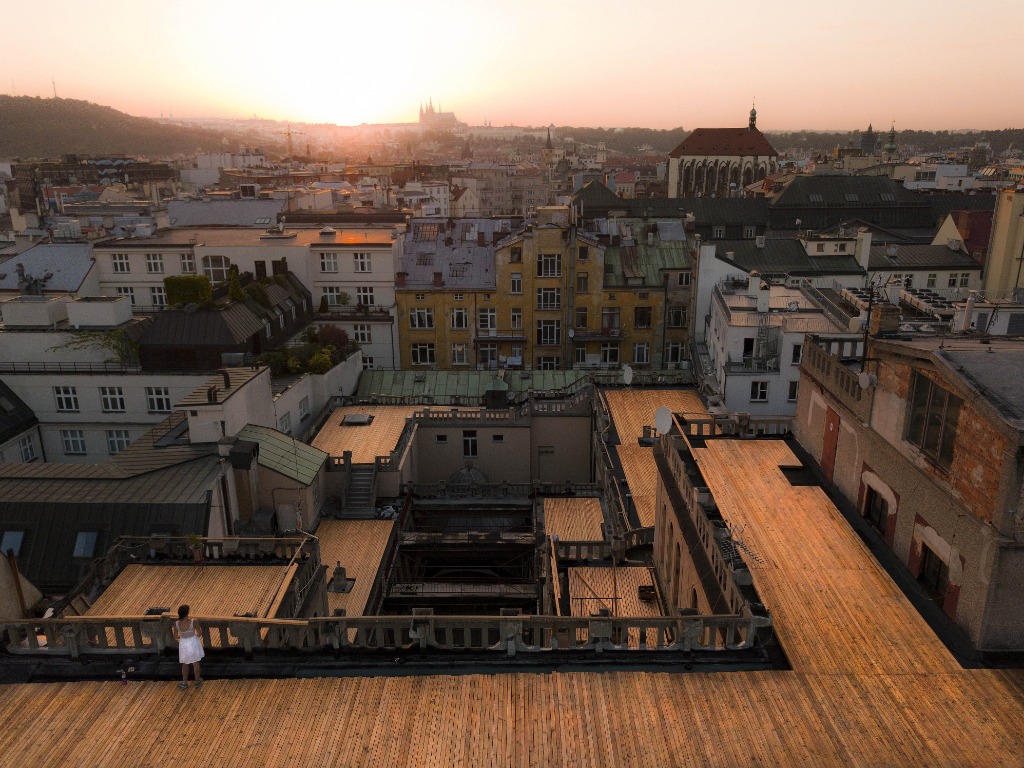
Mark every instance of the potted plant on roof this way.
pixel 195 543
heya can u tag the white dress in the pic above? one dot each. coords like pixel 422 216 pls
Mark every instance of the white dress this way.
pixel 190 648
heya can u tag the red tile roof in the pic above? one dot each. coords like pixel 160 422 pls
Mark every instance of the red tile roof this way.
pixel 731 142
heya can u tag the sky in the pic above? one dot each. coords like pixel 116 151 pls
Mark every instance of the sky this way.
pixel 809 64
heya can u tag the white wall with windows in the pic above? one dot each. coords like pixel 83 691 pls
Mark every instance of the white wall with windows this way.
pixel 24 447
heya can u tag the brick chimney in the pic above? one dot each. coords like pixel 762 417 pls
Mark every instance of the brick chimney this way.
pixel 400 279
pixel 438 281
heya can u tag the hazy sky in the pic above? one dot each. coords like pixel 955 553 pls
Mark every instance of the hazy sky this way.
pixel 811 64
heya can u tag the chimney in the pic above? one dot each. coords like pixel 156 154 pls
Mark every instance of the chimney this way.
pixel 438 282
pixel 759 241
pixel 885 319
pixel 764 295
pixel 400 279
pixel 863 248
pixel 211 394
pixel 753 283
pixel 227 377
pixel 972 297
pixel 953 243
pixel 20 268
pixel 481 238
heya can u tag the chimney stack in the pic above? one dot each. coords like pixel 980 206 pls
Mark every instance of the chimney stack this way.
pixel 764 295
pixel 227 377
pixel 753 283
pixel 863 248
pixel 400 279
pixel 438 282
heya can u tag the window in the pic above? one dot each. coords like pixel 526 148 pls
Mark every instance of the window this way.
pixel 469 443
pixel 517 319
pixel 930 282
pixel 268 328
pixel 216 268
pixel 908 281
pixel 676 317
pixel 515 255
pixel 718 232
pixel 793 386
pixel 460 318
pixel 85 544
pixel 819 248
pixel 361 334
pixel 842 247
pixel 155 263
pixel 609 318
pixel 548 363
pixel 683 279
pixel 758 391
pixel 361 262
pixel 549 332
pixel 158 296
pixel 459 354
pixel 28 448
pixel 158 399
pixel 120 263
pixel 421 317
pixel 953 277
pixel 497 438
pixel 188 264
pixel 582 282
pixel 965 278
pixel 549 298
pixel 328 262
pixel 333 295
pixel 797 354
pixel 303 409
pixel 127 290
pixel 488 354
pixel 11 542
pixel 117 440
pixel 933 419
pixel 581 317
pixel 580 355
pixel 421 297
pixel 73 440
pixel 422 354
pixel 364 295
pixel 583 253
pixel 549 265
pixel 516 283
pixel 67 399
pixel 284 424
pixel 441 439
pixel 642 317
pixel 674 352
pixel 642 353
pixel 934 574
pixel 748 233
pixel 610 352
pixel 815 197
pixel 487 319
pixel 876 509
pixel 851 197
pixel 367 363
pixel 112 399
pixel 457 297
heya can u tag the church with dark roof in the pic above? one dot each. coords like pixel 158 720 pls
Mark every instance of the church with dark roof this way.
pixel 720 161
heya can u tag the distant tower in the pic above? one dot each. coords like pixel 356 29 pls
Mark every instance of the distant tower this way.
pixel 753 119
pixel 889 152
pixel 547 155
pixel 868 140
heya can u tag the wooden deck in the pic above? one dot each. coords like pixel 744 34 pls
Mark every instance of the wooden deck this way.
pixel 642 475
pixel 366 442
pixel 209 590
pixel 615 590
pixel 870 684
pixel 573 519
pixel 359 545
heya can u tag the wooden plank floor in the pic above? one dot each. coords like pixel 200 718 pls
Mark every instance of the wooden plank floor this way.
pixel 359 545
pixel 576 518
pixel 366 442
pixel 870 684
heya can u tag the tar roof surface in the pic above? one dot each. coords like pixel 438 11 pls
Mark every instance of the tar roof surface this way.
pixel 451 247
pixel 224 213
pixel 68 264
pixel 284 454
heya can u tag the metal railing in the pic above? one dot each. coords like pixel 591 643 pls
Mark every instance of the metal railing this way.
pixel 30 367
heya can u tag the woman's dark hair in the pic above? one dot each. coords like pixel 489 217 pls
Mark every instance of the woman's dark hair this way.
pixel 183 612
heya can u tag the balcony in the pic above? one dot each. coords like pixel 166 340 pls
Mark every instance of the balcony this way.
pixel 355 313
pixel 499 334
pixel 596 334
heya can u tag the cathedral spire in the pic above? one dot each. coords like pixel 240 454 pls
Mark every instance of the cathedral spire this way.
pixel 752 125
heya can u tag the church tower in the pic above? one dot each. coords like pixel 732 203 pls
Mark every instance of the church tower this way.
pixel 752 125
pixel 890 151
pixel 547 155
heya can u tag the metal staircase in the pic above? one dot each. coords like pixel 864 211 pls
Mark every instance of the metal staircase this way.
pixel 360 496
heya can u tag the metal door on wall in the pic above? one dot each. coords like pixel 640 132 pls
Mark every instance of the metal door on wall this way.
pixel 829 444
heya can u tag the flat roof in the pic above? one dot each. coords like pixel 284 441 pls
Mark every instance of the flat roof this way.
pixel 616 590
pixel 359 545
pixel 378 438
pixel 209 590
pixel 573 518
pixel 243 236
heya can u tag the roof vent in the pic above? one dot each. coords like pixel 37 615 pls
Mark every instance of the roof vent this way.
pixel 357 420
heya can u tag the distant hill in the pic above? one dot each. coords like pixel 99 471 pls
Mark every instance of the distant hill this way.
pixel 35 127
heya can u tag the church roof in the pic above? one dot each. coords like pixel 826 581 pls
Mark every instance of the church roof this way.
pixel 738 142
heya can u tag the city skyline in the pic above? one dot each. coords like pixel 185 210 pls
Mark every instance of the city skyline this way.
pixel 327 64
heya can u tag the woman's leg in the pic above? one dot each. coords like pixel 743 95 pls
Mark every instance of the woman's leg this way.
pixel 195 672
pixel 184 674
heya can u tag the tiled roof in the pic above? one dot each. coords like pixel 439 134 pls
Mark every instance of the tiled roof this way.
pixel 835 191
pixel 730 142
pixel 916 256
pixel 784 257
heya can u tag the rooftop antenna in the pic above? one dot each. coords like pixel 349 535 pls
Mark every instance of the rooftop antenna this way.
pixel 52 80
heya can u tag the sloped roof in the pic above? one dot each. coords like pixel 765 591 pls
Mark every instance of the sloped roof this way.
pixel 622 262
pixel 783 257
pixel 15 416
pixel 68 264
pixel 284 454
pixel 918 256
pixel 222 326
pixel 738 142
pixel 835 191
pixel 594 197
pixel 945 204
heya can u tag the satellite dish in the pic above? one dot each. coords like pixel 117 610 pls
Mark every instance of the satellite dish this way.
pixel 866 380
pixel 572 333
pixel 627 375
pixel 663 420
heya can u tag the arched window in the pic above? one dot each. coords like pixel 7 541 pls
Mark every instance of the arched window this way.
pixel 216 268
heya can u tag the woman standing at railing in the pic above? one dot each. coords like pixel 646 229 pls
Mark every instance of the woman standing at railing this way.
pixel 190 646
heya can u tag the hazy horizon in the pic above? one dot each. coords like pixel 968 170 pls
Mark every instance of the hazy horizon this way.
pixel 661 65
